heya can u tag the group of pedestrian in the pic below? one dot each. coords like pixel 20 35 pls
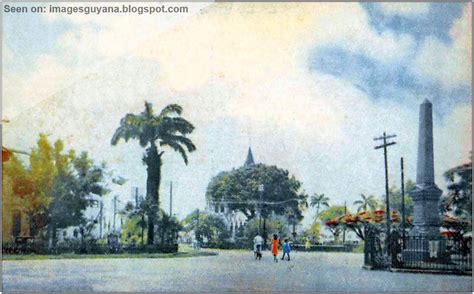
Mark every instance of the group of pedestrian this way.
pixel 275 246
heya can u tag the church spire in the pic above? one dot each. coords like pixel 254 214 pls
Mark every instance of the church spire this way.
pixel 249 161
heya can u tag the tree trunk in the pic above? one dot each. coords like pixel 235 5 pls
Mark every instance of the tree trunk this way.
pixel 54 236
pixel 153 163
pixel 265 237
pixel 143 228
pixel 162 237
pixel 32 225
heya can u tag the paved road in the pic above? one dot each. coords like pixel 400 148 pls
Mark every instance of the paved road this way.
pixel 229 271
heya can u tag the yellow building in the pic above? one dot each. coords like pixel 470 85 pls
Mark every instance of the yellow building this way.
pixel 14 220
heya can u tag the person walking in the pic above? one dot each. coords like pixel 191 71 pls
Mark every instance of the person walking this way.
pixel 257 246
pixel 275 243
pixel 286 250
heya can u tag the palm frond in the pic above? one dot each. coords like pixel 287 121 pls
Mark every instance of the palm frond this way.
pixel 171 109
pixel 176 125
pixel 129 128
pixel 167 127
pixel 180 140
pixel 176 147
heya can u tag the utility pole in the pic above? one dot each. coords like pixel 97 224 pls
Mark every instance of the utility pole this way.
pixel 136 198
pixel 403 202
pixel 197 226
pixel 115 210
pixel 344 230
pixel 387 201
pixel 100 219
pixel 261 188
pixel 171 197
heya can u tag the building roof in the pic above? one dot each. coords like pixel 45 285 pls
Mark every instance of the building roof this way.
pixel 249 161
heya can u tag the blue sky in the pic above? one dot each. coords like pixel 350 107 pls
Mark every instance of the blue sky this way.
pixel 29 36
pixel 396 81
pixel 437 21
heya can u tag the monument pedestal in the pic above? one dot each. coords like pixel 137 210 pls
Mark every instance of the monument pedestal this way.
pixel 426 218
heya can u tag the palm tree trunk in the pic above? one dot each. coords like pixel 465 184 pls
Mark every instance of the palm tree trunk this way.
pixel 153 162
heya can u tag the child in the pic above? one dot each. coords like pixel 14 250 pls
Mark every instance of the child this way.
pixel 258 251
pixel 275 243
pixel 286 250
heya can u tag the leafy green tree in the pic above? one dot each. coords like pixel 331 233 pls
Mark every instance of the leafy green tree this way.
pixel 274 226
pixel 239 189
pixel 318 201
pixel 396 198
pixel 135 224
pixel 210 226
pixel 458 199
pixel 167 129
pixel 76 183
pixel 168 229
pixel 331 218
pixel 42 174
pixel 131 231
pixel 57 187
pixel 366 202
pixel 314 231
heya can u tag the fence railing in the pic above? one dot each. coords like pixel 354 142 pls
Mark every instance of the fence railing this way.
pixel 442 254
pixel 418 253
pixel 324 248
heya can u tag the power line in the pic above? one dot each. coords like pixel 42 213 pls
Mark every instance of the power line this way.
pixel 253 202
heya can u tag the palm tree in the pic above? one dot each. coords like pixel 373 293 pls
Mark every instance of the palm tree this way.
pixel 366 202
pixel 319 200
pixel 167 129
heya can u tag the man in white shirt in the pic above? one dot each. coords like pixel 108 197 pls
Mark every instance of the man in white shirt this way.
pixel 257 246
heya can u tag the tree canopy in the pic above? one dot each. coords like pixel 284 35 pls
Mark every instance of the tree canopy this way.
pixel 56 187
pixel 366 202
pixel 318 201
pixel 210 226
pixel 239 189
pixel 458 199
pixel 331 217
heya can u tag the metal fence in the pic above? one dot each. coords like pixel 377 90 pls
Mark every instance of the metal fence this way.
pixel 418 253
pixel 442 254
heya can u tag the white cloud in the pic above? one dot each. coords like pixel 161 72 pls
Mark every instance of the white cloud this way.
pixel 449 64
pixel 355 34
pixel 405 9
pixel 94 42
pixel 21 92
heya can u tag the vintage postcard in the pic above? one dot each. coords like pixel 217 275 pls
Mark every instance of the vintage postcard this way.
pixel 216 147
